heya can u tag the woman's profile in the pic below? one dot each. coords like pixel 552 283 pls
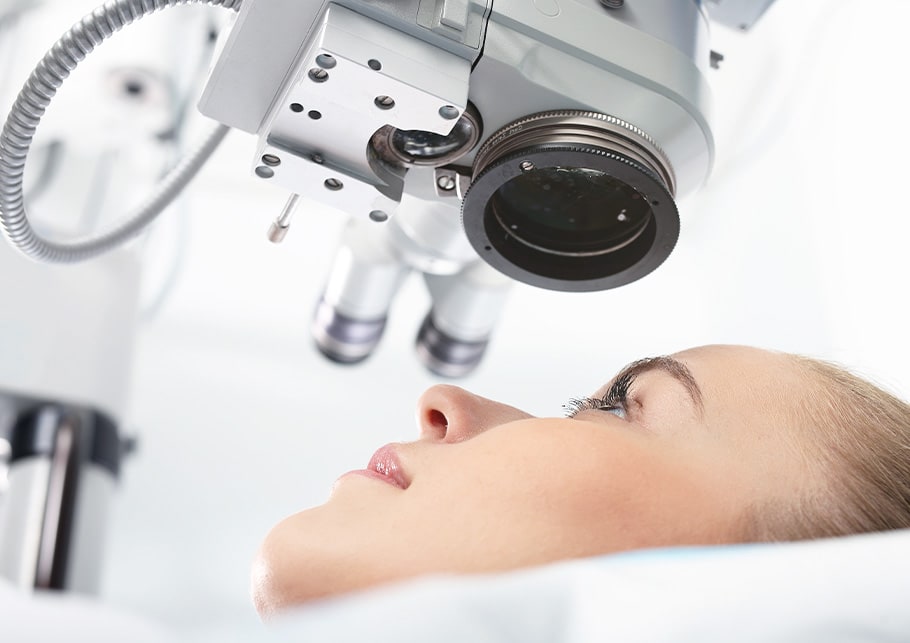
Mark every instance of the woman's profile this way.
pixel 712 445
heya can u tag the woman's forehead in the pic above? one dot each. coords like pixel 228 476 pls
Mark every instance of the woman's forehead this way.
pixel 760 390
pixel 730 362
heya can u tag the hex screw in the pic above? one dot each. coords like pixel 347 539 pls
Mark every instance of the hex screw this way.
pixel 446 182
pixel 384 102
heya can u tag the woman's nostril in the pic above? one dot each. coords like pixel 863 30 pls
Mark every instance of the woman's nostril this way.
pixel 438 420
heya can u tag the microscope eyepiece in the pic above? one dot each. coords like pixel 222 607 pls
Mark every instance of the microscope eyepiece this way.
pixel 571 201
pixel 344 339
pixel 445 355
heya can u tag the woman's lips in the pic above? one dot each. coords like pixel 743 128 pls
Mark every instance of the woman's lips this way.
pixel 385 465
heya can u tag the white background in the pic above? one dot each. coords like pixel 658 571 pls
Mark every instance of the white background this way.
pixel 797 242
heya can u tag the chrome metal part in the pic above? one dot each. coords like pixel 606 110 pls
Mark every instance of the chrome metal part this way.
pixel 25 116
pixel 279 228
pixel 576 128
pixel 411 148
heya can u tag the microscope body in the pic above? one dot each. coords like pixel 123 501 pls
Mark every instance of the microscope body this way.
pixel 440 125
pixel 644 64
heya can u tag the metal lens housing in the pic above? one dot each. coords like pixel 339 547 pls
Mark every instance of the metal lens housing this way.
pixel 411 148
pixel 572 201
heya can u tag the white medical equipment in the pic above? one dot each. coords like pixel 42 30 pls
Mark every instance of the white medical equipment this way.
pixel 68 331
pixel 547 141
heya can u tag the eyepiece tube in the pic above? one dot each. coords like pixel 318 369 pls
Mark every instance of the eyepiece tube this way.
pixel 454 335
pixel 445 355
pixel 351 315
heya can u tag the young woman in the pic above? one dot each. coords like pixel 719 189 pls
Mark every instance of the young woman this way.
pixel 718 444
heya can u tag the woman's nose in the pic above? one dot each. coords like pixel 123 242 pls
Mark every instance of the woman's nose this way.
pixel 452 414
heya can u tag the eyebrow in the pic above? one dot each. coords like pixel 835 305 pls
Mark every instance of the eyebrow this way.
pixel 674 368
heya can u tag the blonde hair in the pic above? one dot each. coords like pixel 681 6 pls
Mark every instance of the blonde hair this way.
pixel 859 447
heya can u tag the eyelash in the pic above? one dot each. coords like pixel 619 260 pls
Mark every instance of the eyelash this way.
pixel 615 398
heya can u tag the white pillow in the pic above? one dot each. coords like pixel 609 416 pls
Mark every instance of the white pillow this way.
pixel 48 617
pixel 842 590
pixel 832 591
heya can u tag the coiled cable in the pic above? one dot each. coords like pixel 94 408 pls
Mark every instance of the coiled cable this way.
pixel 26 113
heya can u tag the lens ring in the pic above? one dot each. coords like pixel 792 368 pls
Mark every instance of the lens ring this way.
pixel 573 127
pixel 571 271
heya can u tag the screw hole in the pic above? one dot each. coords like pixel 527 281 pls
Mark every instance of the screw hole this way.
pixel 326 61
pixel 448 112
pixel 315 114
pixel 134 87
pixel 333 184
pixel 378 216
pixel 296 108
pixel 264 172
pixel 374 64
pixel 655 202
pixel 487 248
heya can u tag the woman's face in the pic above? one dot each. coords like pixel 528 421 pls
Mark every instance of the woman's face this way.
pixel 700 438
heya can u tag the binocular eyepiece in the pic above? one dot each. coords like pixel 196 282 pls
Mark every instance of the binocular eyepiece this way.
pixel 345 340
pixel 368 270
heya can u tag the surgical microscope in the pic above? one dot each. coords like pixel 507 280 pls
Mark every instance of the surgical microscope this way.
pixel 474 143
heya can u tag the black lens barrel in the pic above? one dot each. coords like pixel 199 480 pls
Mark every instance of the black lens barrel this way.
pixel 572 201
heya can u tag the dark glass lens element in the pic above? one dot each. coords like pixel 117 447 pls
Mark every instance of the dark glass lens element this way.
pixel 406 148
pixel 420 146
pixel 570 210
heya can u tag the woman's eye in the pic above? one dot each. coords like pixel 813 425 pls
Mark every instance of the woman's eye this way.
pixel 576 405
pixel 615 400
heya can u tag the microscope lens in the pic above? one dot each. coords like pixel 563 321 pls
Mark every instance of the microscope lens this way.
pixel 575 211
pixel 572 201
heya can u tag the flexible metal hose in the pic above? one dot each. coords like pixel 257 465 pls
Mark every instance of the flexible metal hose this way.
pixel 30 106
